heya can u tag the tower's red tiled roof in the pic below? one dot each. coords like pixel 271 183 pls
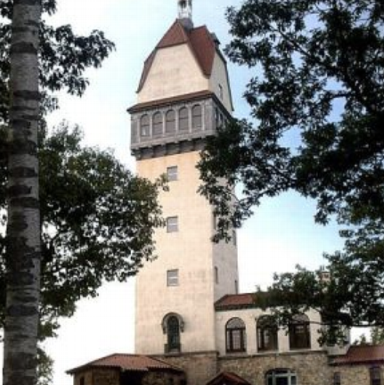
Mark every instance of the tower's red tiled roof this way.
pixel 127 362
pixel 361 354
pixel 232 301
pixel 227 378
pixel 199 40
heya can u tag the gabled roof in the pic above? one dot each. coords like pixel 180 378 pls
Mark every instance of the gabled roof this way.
pixel 199 40
pixel 361 354
pixel 227 378
pixel 127 362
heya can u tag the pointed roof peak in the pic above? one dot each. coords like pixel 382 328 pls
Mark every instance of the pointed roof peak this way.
pixel 174 36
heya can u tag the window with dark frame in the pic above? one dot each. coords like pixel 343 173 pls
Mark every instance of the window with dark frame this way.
pixel 82 380
pixel 172 224
pixel 336 378
pixel 375 375
pixel 267 333
pixel 235 336
pixel 173 277
pixel 281 377
pixel 173 334
pixel 299 332
pixel 172 173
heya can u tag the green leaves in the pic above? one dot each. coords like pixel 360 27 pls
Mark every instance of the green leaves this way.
pixel 317 99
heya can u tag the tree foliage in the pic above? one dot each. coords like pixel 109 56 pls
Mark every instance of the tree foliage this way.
pixel 317 99
pixel 64 56
pixel 97 222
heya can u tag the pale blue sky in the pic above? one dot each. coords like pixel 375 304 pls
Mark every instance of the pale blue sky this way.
pixel 281 233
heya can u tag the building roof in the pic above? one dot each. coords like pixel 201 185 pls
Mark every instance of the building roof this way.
pixel 227 378
pixel 200 41
pixel 127 362
pixel 236 301
pixel 361 354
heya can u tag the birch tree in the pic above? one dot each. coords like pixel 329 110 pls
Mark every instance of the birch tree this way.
pixel 23 228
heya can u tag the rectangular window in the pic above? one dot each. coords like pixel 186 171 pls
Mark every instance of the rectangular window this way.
pixel 234 239
pixel 336 378
pixel 172 224
pixel 172 173
pixel 375 375
pixel 173 277
pixel 236 287
pixel 216 274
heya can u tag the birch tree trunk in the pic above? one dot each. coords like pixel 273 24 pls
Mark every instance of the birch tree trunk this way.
pixel 23 229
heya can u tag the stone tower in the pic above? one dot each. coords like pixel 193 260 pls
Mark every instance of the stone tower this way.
pixel 183 96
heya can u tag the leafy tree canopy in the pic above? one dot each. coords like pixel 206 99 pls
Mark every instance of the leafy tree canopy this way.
pixel 64 56
pixel 317 99
pixel 97 223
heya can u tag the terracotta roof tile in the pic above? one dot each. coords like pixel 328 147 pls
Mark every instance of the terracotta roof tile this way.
pixel 361 354
pixel 175 35
pixel 127 362
pixel 232 301
pixel 227 378
pixel 198 39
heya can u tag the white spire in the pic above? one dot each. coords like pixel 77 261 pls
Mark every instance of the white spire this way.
pixel 185 12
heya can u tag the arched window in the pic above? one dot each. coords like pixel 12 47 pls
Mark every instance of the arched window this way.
pixel 299 333
pixel 172 325
pixel 197 117
pixel 183 119
pixel 281 377
pixel 144 126
pixel 157 124
pixel 173 334
pixel 170 121
pixel 266 333
pixel 235 335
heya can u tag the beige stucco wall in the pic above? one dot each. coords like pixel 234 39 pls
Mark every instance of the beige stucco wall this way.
pixel 189 250
pixel 174 72
pixel 219 77
pixel 249 317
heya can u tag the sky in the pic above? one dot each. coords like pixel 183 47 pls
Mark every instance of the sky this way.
pixel 281 233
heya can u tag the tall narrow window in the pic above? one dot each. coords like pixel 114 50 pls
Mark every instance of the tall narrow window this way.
pixel 173 277
pixel 183 119
pixel 144 126
pixel 234 239
pixel 197 118
pixel 157 124
pixel 170 121
pixel 235 335
pixel 172 173
pixel 221 91
pixel 172 224
pixel 266 333
pixel 299 334
pixel 375 375
pixel 82 380
pixel 216 274
pixel 173 334
pixel 336 378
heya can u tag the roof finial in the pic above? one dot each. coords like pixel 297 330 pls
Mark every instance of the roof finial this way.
pixel 185 13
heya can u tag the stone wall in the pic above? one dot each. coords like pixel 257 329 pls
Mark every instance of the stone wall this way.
pixel 199 367
pixel 97 377
pixel 355 374
pixel 310 368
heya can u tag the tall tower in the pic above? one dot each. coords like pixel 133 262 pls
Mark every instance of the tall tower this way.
pixel 183 96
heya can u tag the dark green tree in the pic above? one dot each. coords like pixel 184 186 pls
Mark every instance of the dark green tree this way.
pixel 97 223
pixel 317 99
